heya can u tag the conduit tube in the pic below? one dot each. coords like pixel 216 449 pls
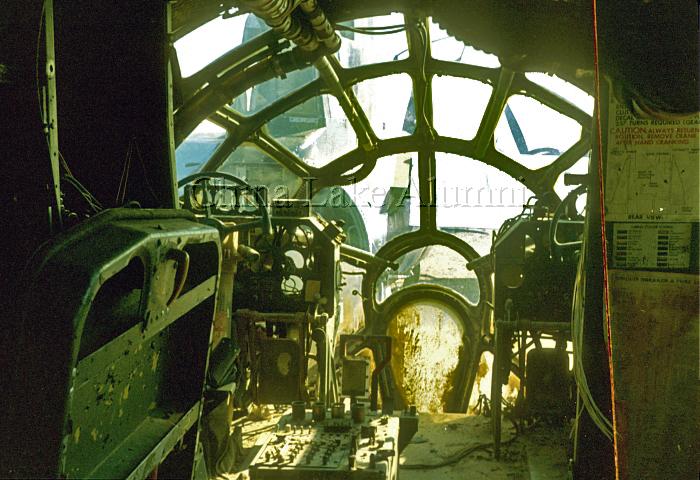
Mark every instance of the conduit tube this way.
pixel 309 35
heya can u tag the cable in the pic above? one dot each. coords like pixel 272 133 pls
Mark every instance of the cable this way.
pixel 124 179
pixel 84 193
pixel 458 455
pixel 145 170
pixel 68 176
pixel 577 329
pixel 567 202
pixel 603 238
pixel 423 32
pixel 383 30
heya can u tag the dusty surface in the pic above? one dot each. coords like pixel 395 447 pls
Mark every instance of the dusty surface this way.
pixel 440 436
pixel 425 354
pixel 537 454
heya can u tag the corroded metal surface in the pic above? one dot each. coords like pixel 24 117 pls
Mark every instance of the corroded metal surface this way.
pixel 426 350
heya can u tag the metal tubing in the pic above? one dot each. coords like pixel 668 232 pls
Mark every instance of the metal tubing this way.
pixel 230 120
pixel 239 58
pixel 495 107
pixel 361 259
pixel 323 356
pixel 278 15
pixel 419 46
pixel 347 101
pixel 323 28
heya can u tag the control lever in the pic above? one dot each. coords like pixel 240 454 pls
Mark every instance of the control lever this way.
pixel 480 262
pixel 574 179
pixel 362 259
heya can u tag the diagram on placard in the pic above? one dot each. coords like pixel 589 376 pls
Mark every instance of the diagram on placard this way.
pixel 652 185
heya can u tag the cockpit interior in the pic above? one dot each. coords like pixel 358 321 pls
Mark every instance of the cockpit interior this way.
pixel 333 239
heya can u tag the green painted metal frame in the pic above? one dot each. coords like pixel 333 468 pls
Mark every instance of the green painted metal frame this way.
pixel 115 407
pixel 359 163
pixel 251 128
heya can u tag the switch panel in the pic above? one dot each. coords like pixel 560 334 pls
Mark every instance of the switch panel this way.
pixel 332 448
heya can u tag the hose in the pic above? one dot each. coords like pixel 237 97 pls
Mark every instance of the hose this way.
pixel 309 36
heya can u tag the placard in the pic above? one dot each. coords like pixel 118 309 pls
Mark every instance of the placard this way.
pixel 652 168
pixel 651 245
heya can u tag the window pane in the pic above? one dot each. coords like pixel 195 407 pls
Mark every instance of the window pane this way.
pixel 472 194
pixel 564 89
pixel 202 46
pixel 387 102
pixel 532 133
pixel 446 47
pixel 386 206
pixel 257 168
pixel 263 95
pixel 195 150
pixel 317 130
pixel 435 265
pixel 458 106
pixel 360 48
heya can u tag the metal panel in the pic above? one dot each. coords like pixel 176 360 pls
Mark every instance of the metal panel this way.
pixel 120 313
pixel 281 377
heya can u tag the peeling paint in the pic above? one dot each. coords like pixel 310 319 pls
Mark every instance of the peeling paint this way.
pixel 426 353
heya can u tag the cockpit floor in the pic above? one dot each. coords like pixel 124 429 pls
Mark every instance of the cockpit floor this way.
pixel 538 453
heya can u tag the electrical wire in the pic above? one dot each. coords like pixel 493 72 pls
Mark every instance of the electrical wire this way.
pixel 458 455
pixel 68 176
pixel 145 170
pixel 578 314
pixel 382 30
pixel 603 238
pixel 423 32
pixel 124 179
pixel 84 193
pixel 577 329
pixel 568 202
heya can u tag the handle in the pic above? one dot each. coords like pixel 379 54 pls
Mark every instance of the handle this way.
pixel 182 258
pixel 361 258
